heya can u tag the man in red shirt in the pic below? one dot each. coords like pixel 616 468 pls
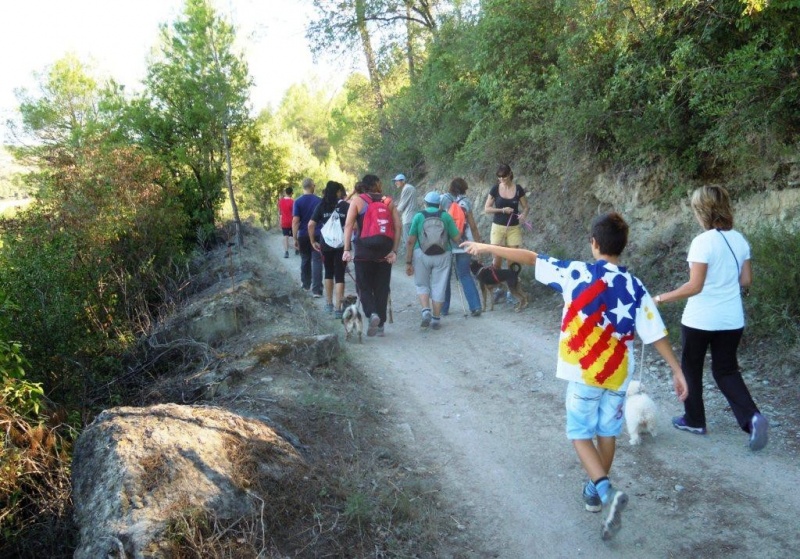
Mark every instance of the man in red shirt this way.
pixel 285 205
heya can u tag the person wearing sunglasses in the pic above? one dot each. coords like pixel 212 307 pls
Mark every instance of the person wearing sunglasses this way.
pixel 508 207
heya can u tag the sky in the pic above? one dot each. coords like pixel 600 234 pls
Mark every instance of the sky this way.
pixel 117 36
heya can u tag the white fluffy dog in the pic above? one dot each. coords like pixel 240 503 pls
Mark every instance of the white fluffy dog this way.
pixel 640 412
pixel 351 317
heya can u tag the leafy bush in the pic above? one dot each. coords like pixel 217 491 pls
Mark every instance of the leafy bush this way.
pixel 773 306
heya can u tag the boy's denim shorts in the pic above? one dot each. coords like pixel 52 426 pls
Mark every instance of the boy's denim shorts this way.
pixel 593 411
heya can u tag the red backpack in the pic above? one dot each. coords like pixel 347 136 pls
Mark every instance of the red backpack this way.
pixel 377 227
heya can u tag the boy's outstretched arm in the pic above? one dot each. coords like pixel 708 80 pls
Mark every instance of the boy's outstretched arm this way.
pixel 678 380
pixel 520 255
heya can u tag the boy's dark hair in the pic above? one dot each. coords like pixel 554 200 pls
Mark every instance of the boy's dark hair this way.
pixel 289 190
pixel 610 232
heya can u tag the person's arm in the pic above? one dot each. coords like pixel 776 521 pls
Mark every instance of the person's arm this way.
pixel 405 200
pixel 476 235
pixel 391 258
pixel 519 255
pixel 349 223
pixel 488 207
pixel 295 229
pixel 678 380
pixel 746 276
pixel 697 277
pixel 312 228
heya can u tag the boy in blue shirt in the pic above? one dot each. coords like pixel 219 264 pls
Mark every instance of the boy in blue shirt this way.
pixel 604 306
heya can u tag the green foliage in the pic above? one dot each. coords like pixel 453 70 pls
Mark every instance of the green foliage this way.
pixel 773 306
pixel 197 91
pixel 22 396
pixel 92 266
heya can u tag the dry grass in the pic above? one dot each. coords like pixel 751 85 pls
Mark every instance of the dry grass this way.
pixel 35 497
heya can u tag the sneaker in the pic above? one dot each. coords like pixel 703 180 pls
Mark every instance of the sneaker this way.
pixel 317 295
pixel 436 323
pixel 338 315
pixel 296 252
pixel 374 325
pixel 380 332
pixel 510 300
pixel 476 312
pixel 679 422
pixel 286 254
pixel 499 296
pixel 758 432
pixel 615 503
pixel 592 498
pixel 329 307
pixel 426 318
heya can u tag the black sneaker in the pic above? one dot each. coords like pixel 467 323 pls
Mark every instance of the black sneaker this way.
pixel 286 254
pixel 476 312
pixel 680 423
pixel 591 498
pixel 615 503
pixel 758 432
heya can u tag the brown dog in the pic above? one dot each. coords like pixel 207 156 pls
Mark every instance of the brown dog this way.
pixel 490 277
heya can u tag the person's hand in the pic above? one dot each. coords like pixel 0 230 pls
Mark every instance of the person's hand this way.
pixel 391 258
pixel 472 247
pixel 507 211
pixel 347 256
pixel 316 246
pixel 681 388
pixel 409 269
pixel 296 244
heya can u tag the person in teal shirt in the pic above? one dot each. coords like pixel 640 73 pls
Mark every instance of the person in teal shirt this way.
pixel 428 257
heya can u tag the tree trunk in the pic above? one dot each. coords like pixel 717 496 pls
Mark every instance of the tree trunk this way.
pixel 229 181
pixel 409 42
pixel 369 54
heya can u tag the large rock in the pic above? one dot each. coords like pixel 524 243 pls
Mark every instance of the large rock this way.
pixel 136 468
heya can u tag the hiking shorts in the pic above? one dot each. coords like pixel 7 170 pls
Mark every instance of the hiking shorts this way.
pixel 287 231
pixel 593 411
pixel 506 236
pixel 431 274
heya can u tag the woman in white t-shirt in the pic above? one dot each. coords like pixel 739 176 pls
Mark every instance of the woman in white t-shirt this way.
pixel 719 266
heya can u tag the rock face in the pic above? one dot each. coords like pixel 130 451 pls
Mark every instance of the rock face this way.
pixel 136 468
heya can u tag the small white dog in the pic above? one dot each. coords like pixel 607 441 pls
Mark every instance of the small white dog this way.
pixel 640 412
pixel 351 317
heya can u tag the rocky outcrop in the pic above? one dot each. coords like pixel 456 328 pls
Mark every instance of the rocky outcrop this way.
pixel 135 469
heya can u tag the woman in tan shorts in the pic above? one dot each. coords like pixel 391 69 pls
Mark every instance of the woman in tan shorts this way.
pixel 508 206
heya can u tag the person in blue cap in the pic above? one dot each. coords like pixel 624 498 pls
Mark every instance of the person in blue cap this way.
pixel 428 257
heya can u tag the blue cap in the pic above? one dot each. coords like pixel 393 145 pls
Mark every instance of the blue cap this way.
pixel 400 177
pixel 433 198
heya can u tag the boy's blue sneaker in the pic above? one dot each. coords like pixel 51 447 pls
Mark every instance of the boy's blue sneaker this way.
pixel 614 504
pixel 758 432
pixel 592 498
pixel 679 422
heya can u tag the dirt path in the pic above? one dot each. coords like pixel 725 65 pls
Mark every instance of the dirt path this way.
pixel 478 403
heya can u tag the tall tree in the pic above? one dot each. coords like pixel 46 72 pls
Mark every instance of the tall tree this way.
pixel 349 26
pixel 195 105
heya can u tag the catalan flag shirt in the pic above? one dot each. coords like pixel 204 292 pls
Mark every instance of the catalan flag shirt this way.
pixel 604 306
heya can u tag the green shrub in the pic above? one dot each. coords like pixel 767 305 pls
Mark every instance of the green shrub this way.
pixel 773 304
